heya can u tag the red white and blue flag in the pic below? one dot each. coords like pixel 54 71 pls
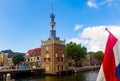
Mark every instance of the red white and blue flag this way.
pixel 110 68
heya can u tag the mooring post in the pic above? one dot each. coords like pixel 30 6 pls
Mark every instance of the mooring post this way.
pixel 4 78
pixel 8 77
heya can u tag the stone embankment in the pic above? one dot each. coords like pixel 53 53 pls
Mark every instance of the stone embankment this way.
pixel 84 68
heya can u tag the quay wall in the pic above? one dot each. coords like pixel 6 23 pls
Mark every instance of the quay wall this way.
pixel 84 68
pixel 73 70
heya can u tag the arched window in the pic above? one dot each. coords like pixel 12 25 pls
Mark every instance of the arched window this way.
pixel 47 55
pixel 56 55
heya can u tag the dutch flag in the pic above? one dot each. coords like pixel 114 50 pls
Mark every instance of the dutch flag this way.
pixel 110 68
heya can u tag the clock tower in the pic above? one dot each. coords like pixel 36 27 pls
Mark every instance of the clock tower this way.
pixel 53 57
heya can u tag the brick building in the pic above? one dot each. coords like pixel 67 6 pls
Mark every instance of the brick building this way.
pixel 53 51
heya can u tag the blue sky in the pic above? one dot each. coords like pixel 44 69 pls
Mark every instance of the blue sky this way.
pixel 24 23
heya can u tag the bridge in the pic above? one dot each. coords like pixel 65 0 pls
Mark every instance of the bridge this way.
pixel 21 73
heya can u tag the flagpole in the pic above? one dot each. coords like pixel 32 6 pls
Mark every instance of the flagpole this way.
pixel 107 30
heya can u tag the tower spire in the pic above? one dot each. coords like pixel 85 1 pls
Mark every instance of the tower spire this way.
pixel 52 24
pixel 52 7
pixel 52 16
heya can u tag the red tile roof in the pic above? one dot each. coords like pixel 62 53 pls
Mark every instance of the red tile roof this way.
pixel 34 52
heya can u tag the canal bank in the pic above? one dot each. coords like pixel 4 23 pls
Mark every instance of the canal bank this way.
pixel 70 71
pixel 84 68
pixel 73 70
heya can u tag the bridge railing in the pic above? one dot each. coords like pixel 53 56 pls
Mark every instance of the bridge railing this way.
pixel 5 70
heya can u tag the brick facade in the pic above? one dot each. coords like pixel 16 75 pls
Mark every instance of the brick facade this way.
pixel 53 56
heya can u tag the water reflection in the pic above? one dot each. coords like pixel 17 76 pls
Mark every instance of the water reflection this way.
pixel 83 76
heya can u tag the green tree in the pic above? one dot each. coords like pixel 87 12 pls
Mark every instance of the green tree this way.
pixel 71 49
pixel 75 51
pixel 17 59
pixel 99 55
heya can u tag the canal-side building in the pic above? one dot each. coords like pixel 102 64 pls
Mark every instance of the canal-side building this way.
pixel 53 51
pixel 4 59
pixel 1 59
pixel 33 57
pixel 87 60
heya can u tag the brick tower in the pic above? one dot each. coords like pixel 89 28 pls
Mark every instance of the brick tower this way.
pixel 53 58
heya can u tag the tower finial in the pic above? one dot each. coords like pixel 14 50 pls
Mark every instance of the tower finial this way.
pixel 52 7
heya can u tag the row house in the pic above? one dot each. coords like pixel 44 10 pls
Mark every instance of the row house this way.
pixel 4 59
pixel 33 57
pixel 87 61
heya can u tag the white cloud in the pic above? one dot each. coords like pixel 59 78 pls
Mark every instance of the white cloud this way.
pixel 96 4
pixel 91 3
pixel 78 26
pixel 95 37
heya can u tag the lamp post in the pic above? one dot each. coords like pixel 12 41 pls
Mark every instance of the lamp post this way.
pixel 27 60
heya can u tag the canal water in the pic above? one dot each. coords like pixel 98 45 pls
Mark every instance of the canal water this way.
pixel 82 76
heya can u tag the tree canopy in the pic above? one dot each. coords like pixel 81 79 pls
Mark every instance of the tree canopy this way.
pixel 75 51
pixel 99 55
pixel 17 59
